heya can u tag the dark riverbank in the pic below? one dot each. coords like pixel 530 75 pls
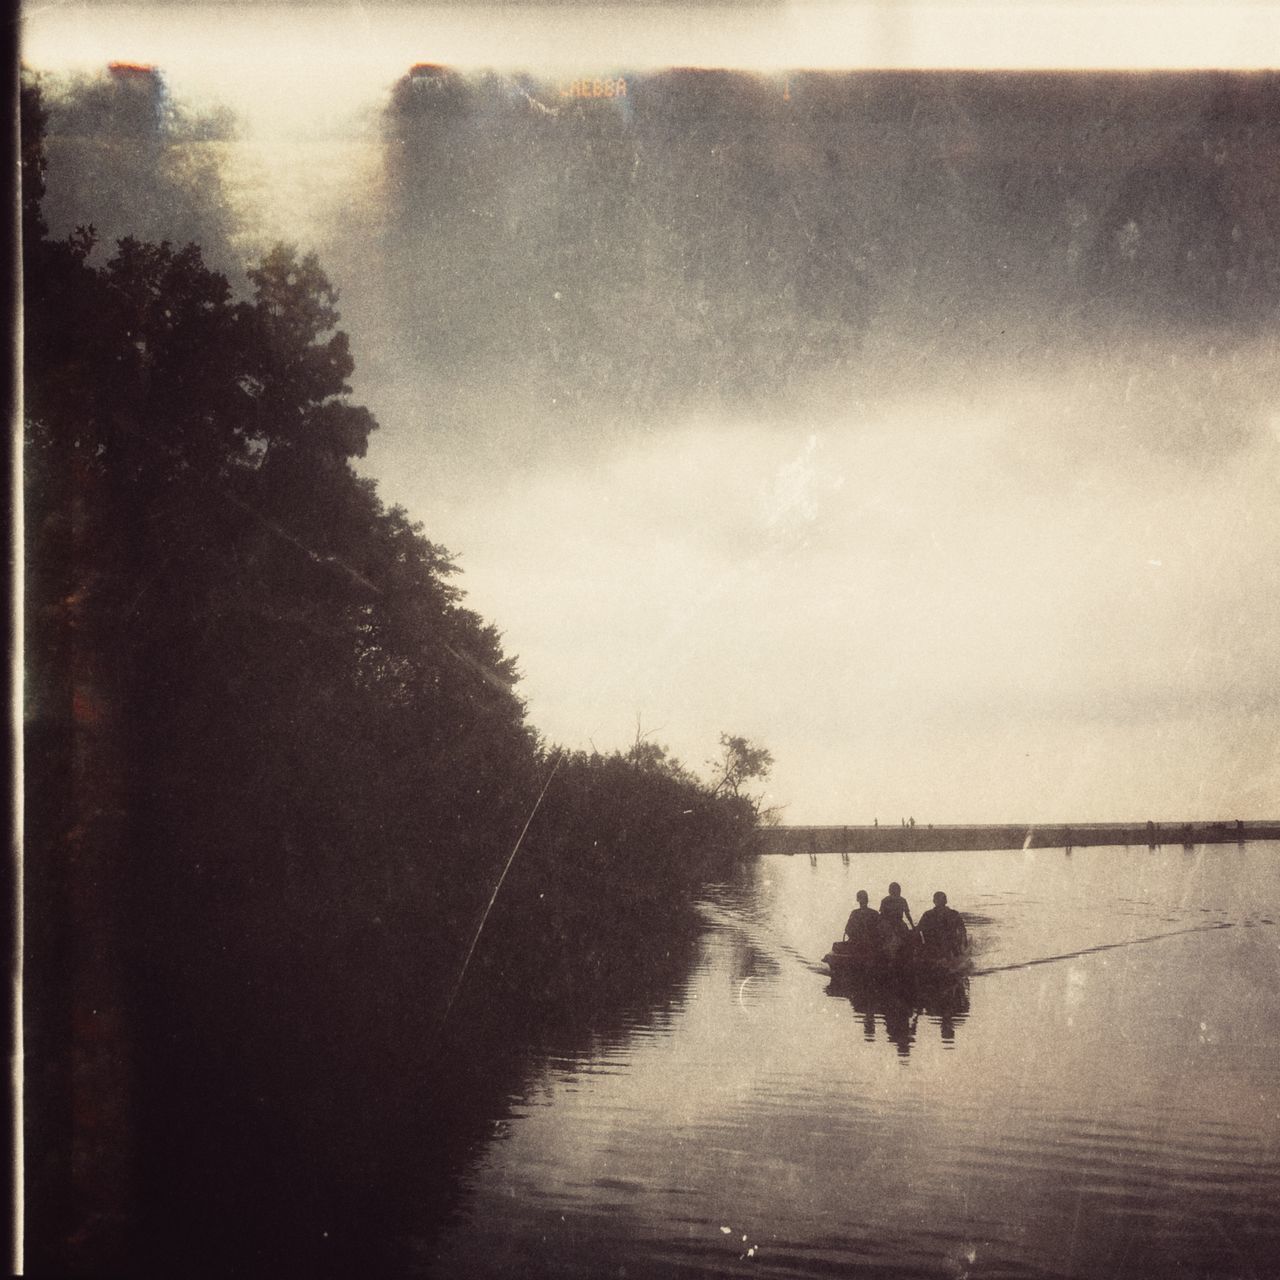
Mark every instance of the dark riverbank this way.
pixel 894 839
pixel 276 773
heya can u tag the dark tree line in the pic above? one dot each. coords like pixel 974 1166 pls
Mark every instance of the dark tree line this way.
pixel 274 765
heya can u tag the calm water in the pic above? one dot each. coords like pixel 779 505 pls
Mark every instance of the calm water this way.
pixel 1112 1113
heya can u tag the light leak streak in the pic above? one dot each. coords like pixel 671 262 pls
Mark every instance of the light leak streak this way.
pixel 327 48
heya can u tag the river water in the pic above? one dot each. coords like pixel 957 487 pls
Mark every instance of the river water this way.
pixel 1114 1112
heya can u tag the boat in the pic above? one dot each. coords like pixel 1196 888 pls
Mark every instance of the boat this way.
pixel 895 957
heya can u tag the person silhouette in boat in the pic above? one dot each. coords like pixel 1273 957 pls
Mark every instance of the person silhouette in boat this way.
pixel 942 930
pixel 896 927
pixel 895 913
pixel 862 931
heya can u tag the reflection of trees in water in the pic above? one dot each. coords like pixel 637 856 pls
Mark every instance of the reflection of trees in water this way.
pixel 381 1137
pixel 439 1105
pixel 747 961
pixel 899 1000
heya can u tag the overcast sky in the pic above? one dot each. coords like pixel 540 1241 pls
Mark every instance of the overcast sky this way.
pixel 926 430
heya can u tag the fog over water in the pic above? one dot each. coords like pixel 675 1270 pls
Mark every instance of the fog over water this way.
pixel 925 427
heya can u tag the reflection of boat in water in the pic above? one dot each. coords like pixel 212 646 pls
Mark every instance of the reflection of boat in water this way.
pixel 898 998
pixel 898 989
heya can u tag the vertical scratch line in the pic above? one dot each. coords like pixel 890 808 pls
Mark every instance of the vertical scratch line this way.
pixel 493 897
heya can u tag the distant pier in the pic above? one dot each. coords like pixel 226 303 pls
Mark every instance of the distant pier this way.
pixel 1049 835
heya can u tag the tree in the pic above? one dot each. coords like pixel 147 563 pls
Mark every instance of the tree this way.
pixel 740 762
pixel 263 735
pixel 653 757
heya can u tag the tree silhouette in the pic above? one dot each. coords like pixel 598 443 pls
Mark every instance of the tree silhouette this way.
pixel 740 762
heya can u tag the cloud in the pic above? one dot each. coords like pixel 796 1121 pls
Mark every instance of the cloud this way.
pixel 904 567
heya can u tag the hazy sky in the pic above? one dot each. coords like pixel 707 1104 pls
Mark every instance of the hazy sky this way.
pixel 931 443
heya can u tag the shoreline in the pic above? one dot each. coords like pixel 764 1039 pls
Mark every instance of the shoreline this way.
pixel 946 837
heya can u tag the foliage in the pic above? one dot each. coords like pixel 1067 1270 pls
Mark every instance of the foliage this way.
pixel 739 763
pixel 623 844
pixel 34 161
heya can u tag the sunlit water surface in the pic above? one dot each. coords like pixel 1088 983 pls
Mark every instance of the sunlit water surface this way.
pixel 1115 1112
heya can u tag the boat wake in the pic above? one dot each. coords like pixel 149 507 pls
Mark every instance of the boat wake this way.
pixel 1105 946
pixel 767 940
